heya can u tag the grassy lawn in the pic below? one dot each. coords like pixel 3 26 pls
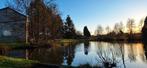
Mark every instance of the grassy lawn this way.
pixel 7 62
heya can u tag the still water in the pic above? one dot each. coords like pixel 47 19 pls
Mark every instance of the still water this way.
pixel 94 54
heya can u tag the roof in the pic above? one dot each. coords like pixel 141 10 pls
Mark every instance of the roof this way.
pixel 10 15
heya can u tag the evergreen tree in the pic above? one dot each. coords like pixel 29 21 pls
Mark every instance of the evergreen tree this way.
pixel 69 28
pixel 144 31
pixel 86 32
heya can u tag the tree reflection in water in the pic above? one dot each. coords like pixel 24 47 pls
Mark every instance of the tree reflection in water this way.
pixel 55 55
pixel 86 46
pixel 131 52
pixel 145 48
pixel 69 53
pixel 108 54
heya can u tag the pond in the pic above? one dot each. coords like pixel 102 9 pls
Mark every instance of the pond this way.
pixel 93 54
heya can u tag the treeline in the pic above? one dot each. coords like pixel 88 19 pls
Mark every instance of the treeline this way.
pixel 130 27
pixel 131 31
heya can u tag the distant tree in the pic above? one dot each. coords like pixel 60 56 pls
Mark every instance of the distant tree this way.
pixel 99 30
pixel 70 24
pixel 86 32
pixel 121 27
pixel 130 26
pixel 108 29
pixel 69 28
pixel 79 33
pixel 118 28
pixel 144 31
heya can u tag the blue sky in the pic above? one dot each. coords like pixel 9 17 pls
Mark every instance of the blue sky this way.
pixel 102 12
pixel 91 13
pixel 2 3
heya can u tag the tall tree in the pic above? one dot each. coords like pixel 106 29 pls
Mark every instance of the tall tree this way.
pixel 45 22
pixel 57 26
pixel 131 29
pixel 130 26
pixel 86 32
pixel 144 31
pixel 69 28
pixel 38 26
pixel 70 24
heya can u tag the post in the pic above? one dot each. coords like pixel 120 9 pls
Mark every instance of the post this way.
pixel 27 24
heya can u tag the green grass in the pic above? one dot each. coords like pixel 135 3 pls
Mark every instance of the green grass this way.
pixel 8 62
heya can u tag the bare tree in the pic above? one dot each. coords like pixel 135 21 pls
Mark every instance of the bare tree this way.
pixel 99 30
pixel 118 28
pixel 19 5
pixel 130 26
pixel 109 55
pixel 108 29
pixel 23 5
pixel 121 26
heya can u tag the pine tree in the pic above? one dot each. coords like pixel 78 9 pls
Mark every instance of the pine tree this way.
pixel 69 29
pixel 86 32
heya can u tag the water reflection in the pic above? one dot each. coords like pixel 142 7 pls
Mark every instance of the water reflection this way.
pixel 69 54
pixel 107 55
pixel 145 48
pixel 94 54
pixel 3 50
pixel 86 46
